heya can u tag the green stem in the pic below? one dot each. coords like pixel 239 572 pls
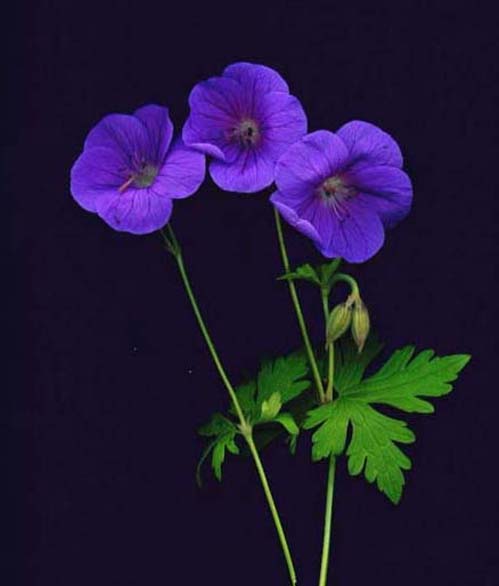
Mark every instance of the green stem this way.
pixel 330 361
pixel 346 279
pixel 299 313
pixel 273 508
pixel 328 516
pixel 246 430
pixel 177 253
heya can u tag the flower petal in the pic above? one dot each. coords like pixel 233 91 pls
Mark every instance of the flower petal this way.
pixel 259 78
pixel 216 106
pixel 252 171
pixel 138 211
pixel 123 133
pixel 386 190
pixel 159 129
pixel 290 215
pixel 282 121
pixel 308 162
pixel 182 172
pixel 368 144
pixel 96 173
pixel 355 236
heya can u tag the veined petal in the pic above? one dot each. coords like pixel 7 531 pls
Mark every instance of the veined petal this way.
pixel 216 107
pixel 159 128
pixel 291 216
pixel 256 78
pixel 138 211
pixel 369 145
pixel 282 121
pixel 251 171
pixel 96 173
pixel 182 172
pixel 123 133
pixel 386 190
pixel 355 236
pixel 308 162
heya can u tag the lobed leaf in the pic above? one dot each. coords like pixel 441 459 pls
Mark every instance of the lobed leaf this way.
pixel 405 378
pixel 401 382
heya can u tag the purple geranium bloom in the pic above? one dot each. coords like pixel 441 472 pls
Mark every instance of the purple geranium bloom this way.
pixel 129 172
pixel 245 120
pixel 343 189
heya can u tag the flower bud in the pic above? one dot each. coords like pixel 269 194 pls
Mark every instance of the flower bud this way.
pixel 339 321
pixel 360 323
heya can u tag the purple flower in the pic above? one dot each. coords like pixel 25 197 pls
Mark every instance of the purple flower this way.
pixel 343 189
pixel 245 120
pixel 129 172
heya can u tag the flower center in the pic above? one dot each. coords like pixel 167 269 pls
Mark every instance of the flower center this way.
pixel 146 176
pixel 246 133
pixel 142 178
pixel 333 192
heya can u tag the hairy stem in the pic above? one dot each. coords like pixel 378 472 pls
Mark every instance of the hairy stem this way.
pixel 246 430
pixel 299 313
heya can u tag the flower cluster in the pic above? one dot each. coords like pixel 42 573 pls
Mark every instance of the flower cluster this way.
pixel 339 189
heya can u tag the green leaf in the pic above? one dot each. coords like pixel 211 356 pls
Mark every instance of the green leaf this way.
pixel 321 275
pixel 331 436
pixel 224 433
pixel 281 381
pixel 302 273
pixel 271 406
pixel 206 452
pixel 284 376
pixel 224 443
pixel 372 446
pixel 373 449
pixel 289 424
pixel 405 378
pixel 326 272
pixel 400 383
pixel 218 425
pixel 246 394
pixel 350 366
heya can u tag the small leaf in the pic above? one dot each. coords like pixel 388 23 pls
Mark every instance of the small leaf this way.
pixel 304 273
pixel 326 272
pixel 283 375
pixel 289 424
pixel 246 396
pixel 217 425
pixel 217 459
pixel 225 443
pixel 202 460
pixel 271 406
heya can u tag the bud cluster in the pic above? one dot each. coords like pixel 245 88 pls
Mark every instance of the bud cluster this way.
pixel 352 314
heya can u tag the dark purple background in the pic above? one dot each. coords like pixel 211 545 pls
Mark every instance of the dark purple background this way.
pixel 109 375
